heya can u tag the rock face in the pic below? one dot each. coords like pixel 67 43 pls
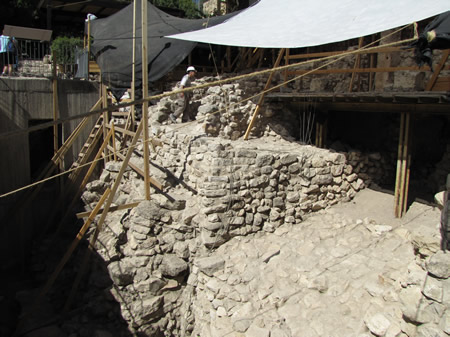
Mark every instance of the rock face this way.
pixel 247 244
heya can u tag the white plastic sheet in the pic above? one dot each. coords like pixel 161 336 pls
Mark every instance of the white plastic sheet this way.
pixel 302 23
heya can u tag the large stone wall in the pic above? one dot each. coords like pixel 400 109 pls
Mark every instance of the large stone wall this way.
pixel 215 189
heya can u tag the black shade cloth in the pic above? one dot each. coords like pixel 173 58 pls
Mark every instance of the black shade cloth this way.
pixel 112 44
pixel 440 28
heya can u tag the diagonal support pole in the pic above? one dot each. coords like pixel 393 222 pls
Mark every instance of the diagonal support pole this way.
pixel 261 98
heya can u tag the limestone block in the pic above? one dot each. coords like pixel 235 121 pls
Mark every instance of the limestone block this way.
pixel 209 265
pixel 378 324
pixel 433 289
pixel 121 272
pixel 172 265
pixel 439 264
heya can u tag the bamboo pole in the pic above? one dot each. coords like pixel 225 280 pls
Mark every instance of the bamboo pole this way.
pixel 71 249
pixel 105 118
pixel 437 70
pixel 111 209
pixel 85 180
pixel 404 169
pixel 144 96
pixel 261 98
pixel 136 169
pixel 104 214
pixel 113 140
pixel 287 58
pixel 356 65
pixel 399 166
pixel 89 44
pixel 133 75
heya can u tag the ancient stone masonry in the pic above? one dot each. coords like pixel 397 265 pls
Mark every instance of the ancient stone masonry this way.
pixel 224 189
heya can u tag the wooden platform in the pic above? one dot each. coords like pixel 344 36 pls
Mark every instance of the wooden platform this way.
pixel 422 102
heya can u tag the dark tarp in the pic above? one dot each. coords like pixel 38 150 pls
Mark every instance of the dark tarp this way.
pixel 113 42
pixel 436 35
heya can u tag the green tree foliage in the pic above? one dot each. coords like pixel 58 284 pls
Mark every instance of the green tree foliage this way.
pixel 188 6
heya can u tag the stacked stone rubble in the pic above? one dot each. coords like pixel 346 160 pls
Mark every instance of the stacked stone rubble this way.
pixel 230 190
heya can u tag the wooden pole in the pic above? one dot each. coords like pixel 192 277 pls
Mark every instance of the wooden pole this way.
pixel 261 98
pixel 89 44
pixel 144 96
pixel 356 65
pixel 104 213
pixel 136 169
pixel 405 168
pixel 113 141
pixel 399 166
pixel 105 118
pixel 286 62
pixel 111 209
pixel 437 70
pixel 85 180
pixel 133 75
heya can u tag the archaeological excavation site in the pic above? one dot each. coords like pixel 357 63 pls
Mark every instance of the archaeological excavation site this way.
pixel 219 177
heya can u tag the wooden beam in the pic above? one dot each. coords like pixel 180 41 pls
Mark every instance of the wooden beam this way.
pixel 403 167
pixel 261 97
pixel 111 209
pixel 356 65
pixel 438 70
pixel 104 214
pixel 144 96
pixel 141 172
pixel 105 117
pixel 360 70
pixel 85 181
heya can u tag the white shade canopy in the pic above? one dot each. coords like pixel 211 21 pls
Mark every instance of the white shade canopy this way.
pixel 302 23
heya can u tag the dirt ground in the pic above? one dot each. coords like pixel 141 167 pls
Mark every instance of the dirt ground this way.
pixel 379 206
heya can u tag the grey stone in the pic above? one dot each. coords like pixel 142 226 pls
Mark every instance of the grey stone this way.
pixel 121 273
pixel 209 265
pixel 172 265
pixel 439 264
pixel 378 324
pixel 433 289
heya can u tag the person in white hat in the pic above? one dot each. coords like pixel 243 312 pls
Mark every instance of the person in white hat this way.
pixel 183 104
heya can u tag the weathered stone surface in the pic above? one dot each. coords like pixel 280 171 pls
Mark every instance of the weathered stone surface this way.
pixel 172 265
pixel 121 272
pixel 439 264
pixel 209 265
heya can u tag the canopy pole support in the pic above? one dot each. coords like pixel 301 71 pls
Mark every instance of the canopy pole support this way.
pixel 144 96
pixel 261 98
pixel 133 70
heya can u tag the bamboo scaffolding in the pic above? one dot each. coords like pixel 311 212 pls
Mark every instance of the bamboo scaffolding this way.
pixel 103 215
pixel 141 172
pixel 82 215
pixel 85 180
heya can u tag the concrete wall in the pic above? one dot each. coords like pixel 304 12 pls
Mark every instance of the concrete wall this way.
pixel 22 100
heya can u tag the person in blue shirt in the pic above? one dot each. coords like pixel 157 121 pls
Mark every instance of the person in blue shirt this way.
pixel 8 48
